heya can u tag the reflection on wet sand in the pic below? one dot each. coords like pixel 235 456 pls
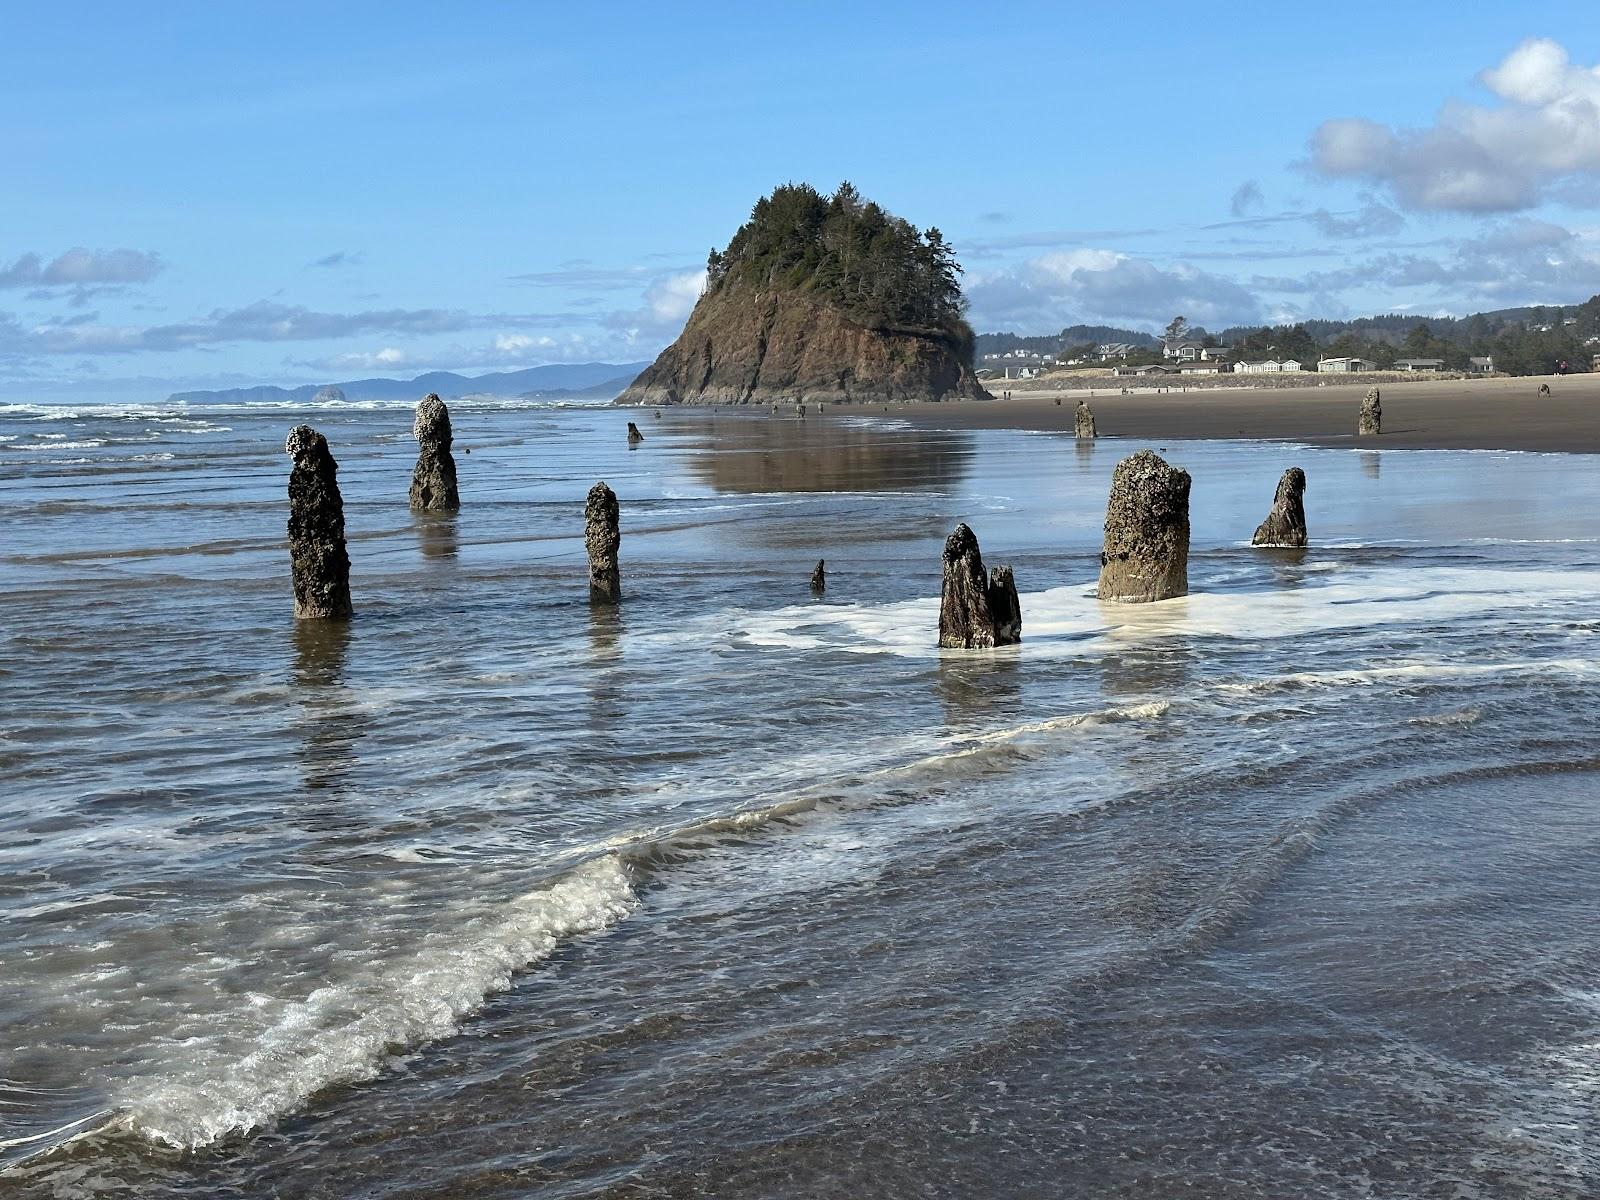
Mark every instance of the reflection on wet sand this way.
pixel 330 721
pixel 437 534
pixel 829 456
pixel 1154 657
pixel 979 686
pixel 1287 564
pixel 604 678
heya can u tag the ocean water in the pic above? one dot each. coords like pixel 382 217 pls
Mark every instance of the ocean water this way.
pixel 1286 888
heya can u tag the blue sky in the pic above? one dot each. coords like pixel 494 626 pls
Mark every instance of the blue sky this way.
pixel 210 194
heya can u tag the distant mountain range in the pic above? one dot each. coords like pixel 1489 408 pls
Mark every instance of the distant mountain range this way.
pixel 556 379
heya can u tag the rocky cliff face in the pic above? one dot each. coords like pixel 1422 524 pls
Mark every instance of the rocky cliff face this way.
pixel 743 346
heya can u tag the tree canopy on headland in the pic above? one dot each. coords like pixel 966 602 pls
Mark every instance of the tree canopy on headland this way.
pixel 848 253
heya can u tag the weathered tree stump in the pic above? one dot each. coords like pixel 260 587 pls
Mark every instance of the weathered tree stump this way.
pixel 1286 523
pixel 819 578
pixel 602 535
pixel 976 610
pixel 1370 423
pixel 1005 609
pixel 433 483
pixel 1083 421
pixel 1146 554
pixel 634 436
pixel 317 555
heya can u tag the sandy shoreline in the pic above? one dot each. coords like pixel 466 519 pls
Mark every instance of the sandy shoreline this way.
pixel 1453 414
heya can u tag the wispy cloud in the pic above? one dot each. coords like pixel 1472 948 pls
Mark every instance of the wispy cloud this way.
pixel 339 258
pixel 1247 198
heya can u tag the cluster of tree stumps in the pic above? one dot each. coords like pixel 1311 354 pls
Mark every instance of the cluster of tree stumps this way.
pixel 1144 557
pixel 319 560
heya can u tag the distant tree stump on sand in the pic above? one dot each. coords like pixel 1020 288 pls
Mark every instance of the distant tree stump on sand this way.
pixel 1083 421
pixel 1370 423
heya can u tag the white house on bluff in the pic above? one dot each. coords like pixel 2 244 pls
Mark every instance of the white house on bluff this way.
pixel 1347 364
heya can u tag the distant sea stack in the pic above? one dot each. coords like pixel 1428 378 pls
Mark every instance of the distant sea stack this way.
pixel 316 528
pixel 332 394
pixel 825 299
pixel 433 483
pixel 1286 523
pixel 1146 555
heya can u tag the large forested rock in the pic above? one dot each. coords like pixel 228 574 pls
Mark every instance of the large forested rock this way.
pixel 1083 421
pixel 1286 523
pixel 602 536
pixel 1370 423
pixel 317 555
pixel 433 483
pixel 822 299
pixel 1146 555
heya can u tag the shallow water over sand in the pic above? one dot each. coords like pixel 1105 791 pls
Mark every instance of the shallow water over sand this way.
pixel 1284 888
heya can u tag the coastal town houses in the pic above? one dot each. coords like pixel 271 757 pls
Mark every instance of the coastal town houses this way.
pixel 1481 366
pixel 1186 350
pixel 1204 366
pixel 1269 366
pixel 1347 364
pixel 1113 350
pixel 1419 364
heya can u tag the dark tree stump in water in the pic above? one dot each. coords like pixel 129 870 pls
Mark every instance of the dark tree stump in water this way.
pixel 1005 609
pixel 602 536
pixel 1146 555
pixel 819 578
pixel 1286 523
pixel 1083 421
pixel 317 554
pixel 433 483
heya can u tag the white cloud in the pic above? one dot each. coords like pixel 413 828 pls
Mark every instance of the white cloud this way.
pixel 674 297
pixel 1473 158
pixel 1103 286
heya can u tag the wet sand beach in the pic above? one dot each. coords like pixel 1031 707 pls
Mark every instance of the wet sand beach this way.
pixel 1444 414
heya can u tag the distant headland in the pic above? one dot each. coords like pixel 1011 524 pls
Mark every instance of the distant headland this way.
pixel 597 381
pixel 821 298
